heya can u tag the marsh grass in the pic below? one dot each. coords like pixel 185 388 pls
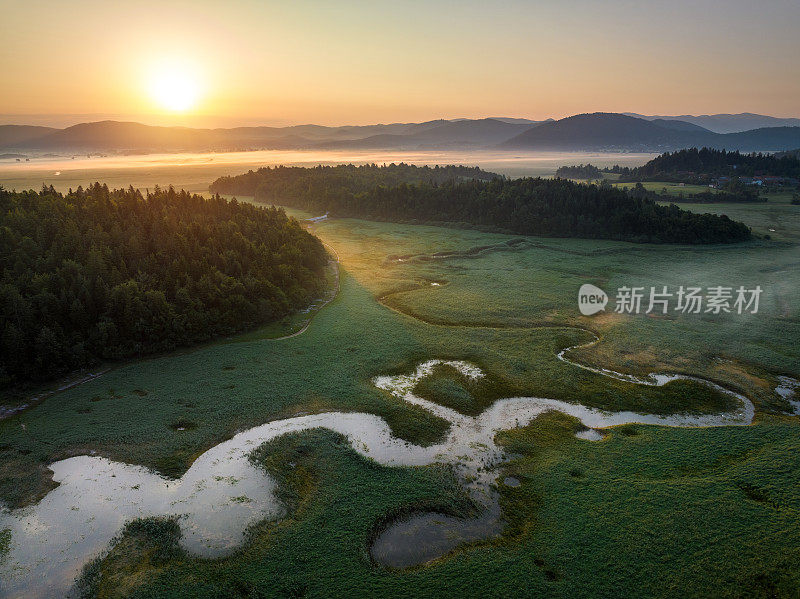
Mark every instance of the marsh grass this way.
pixel 536 285
pixel 645 512
pixel 504 296
pixel 449 387
pixel 144 546
pixel 665 512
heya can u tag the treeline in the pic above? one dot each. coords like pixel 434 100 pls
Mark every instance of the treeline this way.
pixel 554 208
pixel 790 153
pixel 98 274
pixel 354 179
pixel 735 192
pixel 581 171
pixel 699 165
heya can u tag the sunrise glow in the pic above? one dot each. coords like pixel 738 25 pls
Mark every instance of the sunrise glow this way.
pixel 174 86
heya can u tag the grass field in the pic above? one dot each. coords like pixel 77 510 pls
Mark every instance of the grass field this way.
pixel 673 189
pixel 536 283
pixel 782 196
pixel 125 414
pixel 777 218
pixel 647 512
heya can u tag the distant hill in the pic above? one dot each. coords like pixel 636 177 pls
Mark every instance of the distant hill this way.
pixel 678 125
pixel 376 142
pixel 728 123
pixel 109 135
pixel 583 132
pixel 609 131
pixel 116 135
pixel 462 133
pixel 13 135
pixel 598 131
pixel 768 139
pixel 480 131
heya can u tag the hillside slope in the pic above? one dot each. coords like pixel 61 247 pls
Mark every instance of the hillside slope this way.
pixel 615 132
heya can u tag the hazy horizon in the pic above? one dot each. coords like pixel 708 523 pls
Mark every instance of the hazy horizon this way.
pixel 213 122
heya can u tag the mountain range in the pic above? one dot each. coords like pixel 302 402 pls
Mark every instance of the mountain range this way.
pixel 727 123
pixel 583 132
pixel 619 132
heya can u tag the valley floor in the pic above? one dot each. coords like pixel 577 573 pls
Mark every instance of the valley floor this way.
pixel 648 511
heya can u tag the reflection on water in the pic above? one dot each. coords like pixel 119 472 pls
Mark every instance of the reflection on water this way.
pixel 223 492
pixel 420 538
pixel 787 388
pixel 589 434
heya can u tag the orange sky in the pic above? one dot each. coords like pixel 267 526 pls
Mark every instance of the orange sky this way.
pixel 365 62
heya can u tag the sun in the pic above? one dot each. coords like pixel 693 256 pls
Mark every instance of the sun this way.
pixel 174 86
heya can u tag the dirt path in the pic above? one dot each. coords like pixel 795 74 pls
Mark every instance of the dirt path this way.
pixel 325 303
pixel 7 412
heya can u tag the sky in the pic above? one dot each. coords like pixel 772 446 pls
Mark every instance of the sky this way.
pixel 245 62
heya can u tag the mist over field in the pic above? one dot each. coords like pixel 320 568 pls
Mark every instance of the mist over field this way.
pixel 193 172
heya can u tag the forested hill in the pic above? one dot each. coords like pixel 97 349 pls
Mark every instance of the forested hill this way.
pixel 581 171
pixel 553 208
pixel 714 163
pixel 320 179
pixel 99 274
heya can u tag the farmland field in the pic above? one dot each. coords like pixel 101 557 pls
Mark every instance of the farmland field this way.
pixel 648 511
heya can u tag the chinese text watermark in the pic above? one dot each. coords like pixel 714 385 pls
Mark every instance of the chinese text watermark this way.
pixel 663 299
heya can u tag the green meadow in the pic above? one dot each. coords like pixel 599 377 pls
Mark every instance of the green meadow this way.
pixel 688 189
pixel 648 511
pixel 670 188
pixel 534 282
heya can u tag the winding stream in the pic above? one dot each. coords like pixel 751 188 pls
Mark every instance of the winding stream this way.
pixel 224 492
